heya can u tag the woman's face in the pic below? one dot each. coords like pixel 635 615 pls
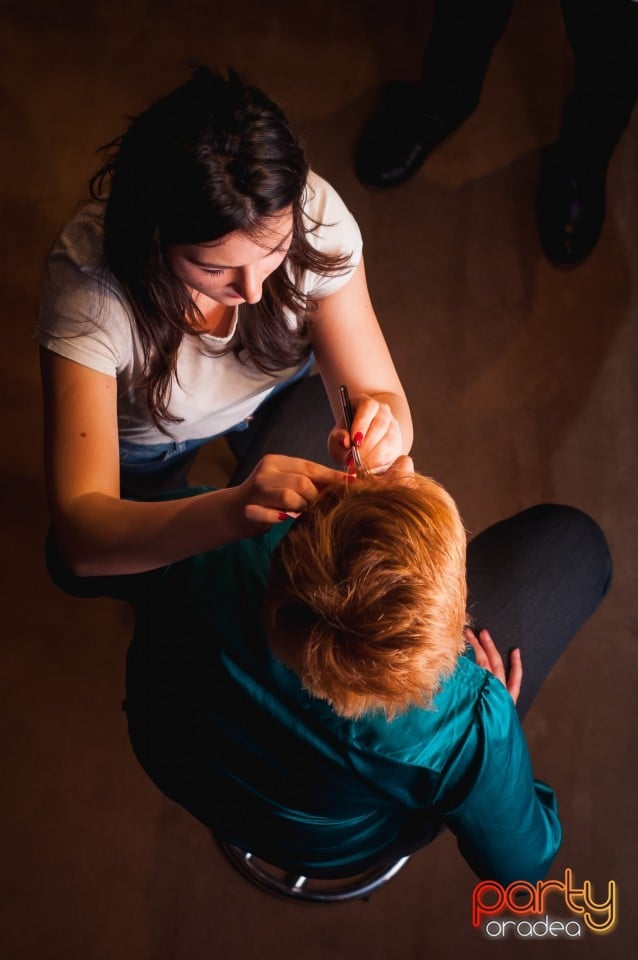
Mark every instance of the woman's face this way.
pixel 232 270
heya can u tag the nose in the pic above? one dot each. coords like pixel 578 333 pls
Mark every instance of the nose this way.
pixel 250 284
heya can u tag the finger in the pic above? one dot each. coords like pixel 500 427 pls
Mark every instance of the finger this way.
pixel 479 654
pixel 266 515
pixel 282 494
pixel 383 425
pixel 494 658
pixel 292 492
pixel 341 436
pixel 285 465
pixel 320 476
pixel 516 674
pixel 304 476
pixel 339 447
pixel 385 452
pixel 365 409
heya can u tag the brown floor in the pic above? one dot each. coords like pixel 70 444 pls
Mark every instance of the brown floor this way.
pixel 522 381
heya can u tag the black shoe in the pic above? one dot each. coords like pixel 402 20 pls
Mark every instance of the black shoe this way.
pixel 402 134
pixel 570 210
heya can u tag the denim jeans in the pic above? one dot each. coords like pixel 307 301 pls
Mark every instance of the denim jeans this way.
pixel 146 469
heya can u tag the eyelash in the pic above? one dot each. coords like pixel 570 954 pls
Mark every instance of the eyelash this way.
pixel 218 273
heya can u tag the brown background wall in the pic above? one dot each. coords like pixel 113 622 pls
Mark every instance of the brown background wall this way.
pixel 522 381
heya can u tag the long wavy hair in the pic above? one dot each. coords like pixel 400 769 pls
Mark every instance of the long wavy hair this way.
pixel 214 156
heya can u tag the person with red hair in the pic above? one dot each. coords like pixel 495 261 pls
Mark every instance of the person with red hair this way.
pixel 328 697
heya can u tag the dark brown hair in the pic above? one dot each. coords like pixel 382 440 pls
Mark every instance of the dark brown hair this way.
pixel 212 157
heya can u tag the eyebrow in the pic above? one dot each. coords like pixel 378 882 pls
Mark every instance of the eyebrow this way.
pixel 219 266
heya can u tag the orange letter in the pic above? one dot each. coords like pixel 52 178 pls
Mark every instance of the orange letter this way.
pixel 479 907
pixel 512 891
pixel 608 907
pixel 543 887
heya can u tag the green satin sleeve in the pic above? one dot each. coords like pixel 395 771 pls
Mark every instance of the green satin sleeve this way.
pixel 506 823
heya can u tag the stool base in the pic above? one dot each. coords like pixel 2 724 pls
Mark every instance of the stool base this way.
pixel 277 882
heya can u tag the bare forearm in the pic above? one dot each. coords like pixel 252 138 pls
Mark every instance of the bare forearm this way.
pixel 102 535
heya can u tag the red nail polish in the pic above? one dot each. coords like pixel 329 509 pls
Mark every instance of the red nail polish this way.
pixel 283 516
pixel 358 438
pixel 350 459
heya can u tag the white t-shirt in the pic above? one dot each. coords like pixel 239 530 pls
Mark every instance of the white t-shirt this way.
pixel 85 317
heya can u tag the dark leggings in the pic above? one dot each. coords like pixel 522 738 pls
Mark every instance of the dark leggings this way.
pixel 295 422
pixel 534 579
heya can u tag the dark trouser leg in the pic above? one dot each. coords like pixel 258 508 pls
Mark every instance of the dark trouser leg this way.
pixel 456 58
pixel 571 200
pixel 533 580
pixel 296 422
pixel 414 118
pixel 604 38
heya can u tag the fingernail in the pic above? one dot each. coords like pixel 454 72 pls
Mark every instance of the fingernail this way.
pixel 358 438
pixel 283 516
pixel 350 459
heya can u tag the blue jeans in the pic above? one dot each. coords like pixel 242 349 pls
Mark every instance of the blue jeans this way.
pixel 146 469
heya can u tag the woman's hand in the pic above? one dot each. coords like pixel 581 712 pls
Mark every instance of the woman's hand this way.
pixel 487 656
pixel 281 486
pixel 375 432
pixel 350 349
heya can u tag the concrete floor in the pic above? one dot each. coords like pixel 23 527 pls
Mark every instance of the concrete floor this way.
pixel 522 381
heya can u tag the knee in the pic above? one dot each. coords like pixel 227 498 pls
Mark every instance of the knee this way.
pixel 576 533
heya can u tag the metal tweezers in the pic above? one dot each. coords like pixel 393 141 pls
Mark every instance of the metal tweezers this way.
pixel 347 416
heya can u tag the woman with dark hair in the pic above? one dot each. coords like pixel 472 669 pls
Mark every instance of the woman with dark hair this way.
pixel 189 300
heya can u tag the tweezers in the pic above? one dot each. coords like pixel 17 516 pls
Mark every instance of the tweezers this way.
pixel 346 406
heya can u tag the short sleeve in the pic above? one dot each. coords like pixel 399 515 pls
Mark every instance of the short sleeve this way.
pixel 331 229
pixel 506 823
pixel 82 317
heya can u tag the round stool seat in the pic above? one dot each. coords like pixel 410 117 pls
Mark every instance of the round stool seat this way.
pixel 276 881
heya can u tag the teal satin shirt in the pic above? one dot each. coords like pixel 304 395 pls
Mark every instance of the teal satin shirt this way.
pixel 227 731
